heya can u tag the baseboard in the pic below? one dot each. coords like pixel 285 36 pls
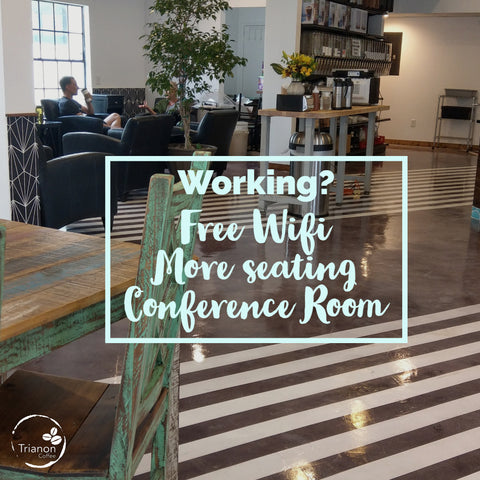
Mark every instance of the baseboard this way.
pixel 419 143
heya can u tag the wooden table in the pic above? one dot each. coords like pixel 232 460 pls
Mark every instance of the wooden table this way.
pixel 54 289
pixel 334 116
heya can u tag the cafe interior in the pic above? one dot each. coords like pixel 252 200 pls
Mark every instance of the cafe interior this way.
pixel 322 321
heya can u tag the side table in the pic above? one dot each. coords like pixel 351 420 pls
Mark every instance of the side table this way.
pixel 335 117
pixel 50 134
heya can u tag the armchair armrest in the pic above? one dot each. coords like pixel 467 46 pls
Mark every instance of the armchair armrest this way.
pixel 115 133
pixel 79 123
pixel 77 142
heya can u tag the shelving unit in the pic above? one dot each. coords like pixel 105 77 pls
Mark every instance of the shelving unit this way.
pixel 456 112
pixel 346 35
pixel 378 148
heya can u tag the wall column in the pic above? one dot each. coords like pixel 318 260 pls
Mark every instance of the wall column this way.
pixel 18 114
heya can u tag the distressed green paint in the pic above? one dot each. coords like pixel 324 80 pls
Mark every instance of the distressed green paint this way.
pixel 147 367
pixel 42 340
pixel 142 409
pixel 3 234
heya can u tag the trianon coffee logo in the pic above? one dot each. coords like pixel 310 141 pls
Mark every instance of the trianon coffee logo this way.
pixel 38 441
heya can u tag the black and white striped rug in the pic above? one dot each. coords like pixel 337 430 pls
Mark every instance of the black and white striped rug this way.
pixel 428 189
pixel 329 411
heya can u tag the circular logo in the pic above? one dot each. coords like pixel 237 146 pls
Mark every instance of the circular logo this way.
pixel 39 441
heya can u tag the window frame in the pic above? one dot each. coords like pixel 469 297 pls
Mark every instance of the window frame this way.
pixel 42 87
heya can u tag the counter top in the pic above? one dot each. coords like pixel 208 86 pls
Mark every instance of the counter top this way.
pixel 357 110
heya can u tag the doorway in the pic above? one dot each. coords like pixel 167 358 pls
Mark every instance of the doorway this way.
pixel 247 30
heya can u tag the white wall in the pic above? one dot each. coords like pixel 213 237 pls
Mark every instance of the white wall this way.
pixel 247 3
pixel 436 6
pixel 5 211
pixel 16 83
pixel 18 55
pixel 116 49
pixel 438 52
pixel 282 32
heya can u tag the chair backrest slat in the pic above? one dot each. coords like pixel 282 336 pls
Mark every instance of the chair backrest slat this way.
pixel 3 236
pixel 148 365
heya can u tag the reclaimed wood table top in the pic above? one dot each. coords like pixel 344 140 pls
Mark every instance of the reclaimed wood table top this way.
pixel 52 274
pixel 356 110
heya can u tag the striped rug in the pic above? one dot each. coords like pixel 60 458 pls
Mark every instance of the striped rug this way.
pixel 310 412
pixel 427 189
pixel 329 411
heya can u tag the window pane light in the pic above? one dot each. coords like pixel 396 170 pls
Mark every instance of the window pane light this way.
pixel 61 17
pixel 60 36
pixel 36 44
pixel 76 46
pixel 61 46
pixel 46 16
pixel 47 40
pixel 50 75
pixel 75 20
pixel 35 22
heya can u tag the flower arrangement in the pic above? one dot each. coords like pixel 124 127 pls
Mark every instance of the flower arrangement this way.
pixel 297 66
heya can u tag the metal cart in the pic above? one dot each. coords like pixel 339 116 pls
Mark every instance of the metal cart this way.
pixel 456 112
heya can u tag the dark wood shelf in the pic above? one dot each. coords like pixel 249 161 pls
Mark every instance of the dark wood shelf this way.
pixel 379 149
pixel 365 124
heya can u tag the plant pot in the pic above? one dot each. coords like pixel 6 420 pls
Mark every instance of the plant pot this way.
pixel 179 150
pixel 296 88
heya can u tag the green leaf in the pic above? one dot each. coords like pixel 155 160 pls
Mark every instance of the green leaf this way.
pixel 277 68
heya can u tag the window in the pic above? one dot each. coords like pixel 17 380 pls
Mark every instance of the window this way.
pixel 59 46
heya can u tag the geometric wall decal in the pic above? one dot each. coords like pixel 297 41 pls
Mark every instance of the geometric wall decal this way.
pixel 23 167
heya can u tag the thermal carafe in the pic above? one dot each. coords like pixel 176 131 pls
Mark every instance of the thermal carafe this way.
pixel 337 99
pixel 347 93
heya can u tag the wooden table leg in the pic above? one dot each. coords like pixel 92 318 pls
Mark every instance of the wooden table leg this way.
pixel 370 144
pixel 264 152
pixel 342 151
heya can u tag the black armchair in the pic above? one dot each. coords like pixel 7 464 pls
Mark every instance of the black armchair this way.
pixel 72 188
pixel 71 123
pixel 216 128
pixel 145 135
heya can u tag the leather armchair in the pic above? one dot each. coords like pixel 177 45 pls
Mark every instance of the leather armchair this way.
pixel 72 188
pixel 142 136
pixel 71 123
pixel 216 128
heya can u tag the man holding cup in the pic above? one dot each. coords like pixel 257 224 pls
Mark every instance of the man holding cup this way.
pixel 68 106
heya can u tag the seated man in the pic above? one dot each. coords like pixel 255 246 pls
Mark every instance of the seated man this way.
pixel 68 106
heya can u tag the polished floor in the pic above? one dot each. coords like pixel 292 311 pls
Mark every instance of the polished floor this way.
pixel 305 411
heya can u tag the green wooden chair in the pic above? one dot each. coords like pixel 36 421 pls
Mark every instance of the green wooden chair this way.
pixel 3 235
pixel 106 428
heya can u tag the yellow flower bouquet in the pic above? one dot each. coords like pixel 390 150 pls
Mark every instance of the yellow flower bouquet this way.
pixel 297 66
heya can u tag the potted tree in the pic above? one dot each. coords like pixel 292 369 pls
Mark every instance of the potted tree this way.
pixel 181 52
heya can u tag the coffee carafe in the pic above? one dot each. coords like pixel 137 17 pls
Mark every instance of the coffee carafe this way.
pixel 337 98
pixel 347 93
